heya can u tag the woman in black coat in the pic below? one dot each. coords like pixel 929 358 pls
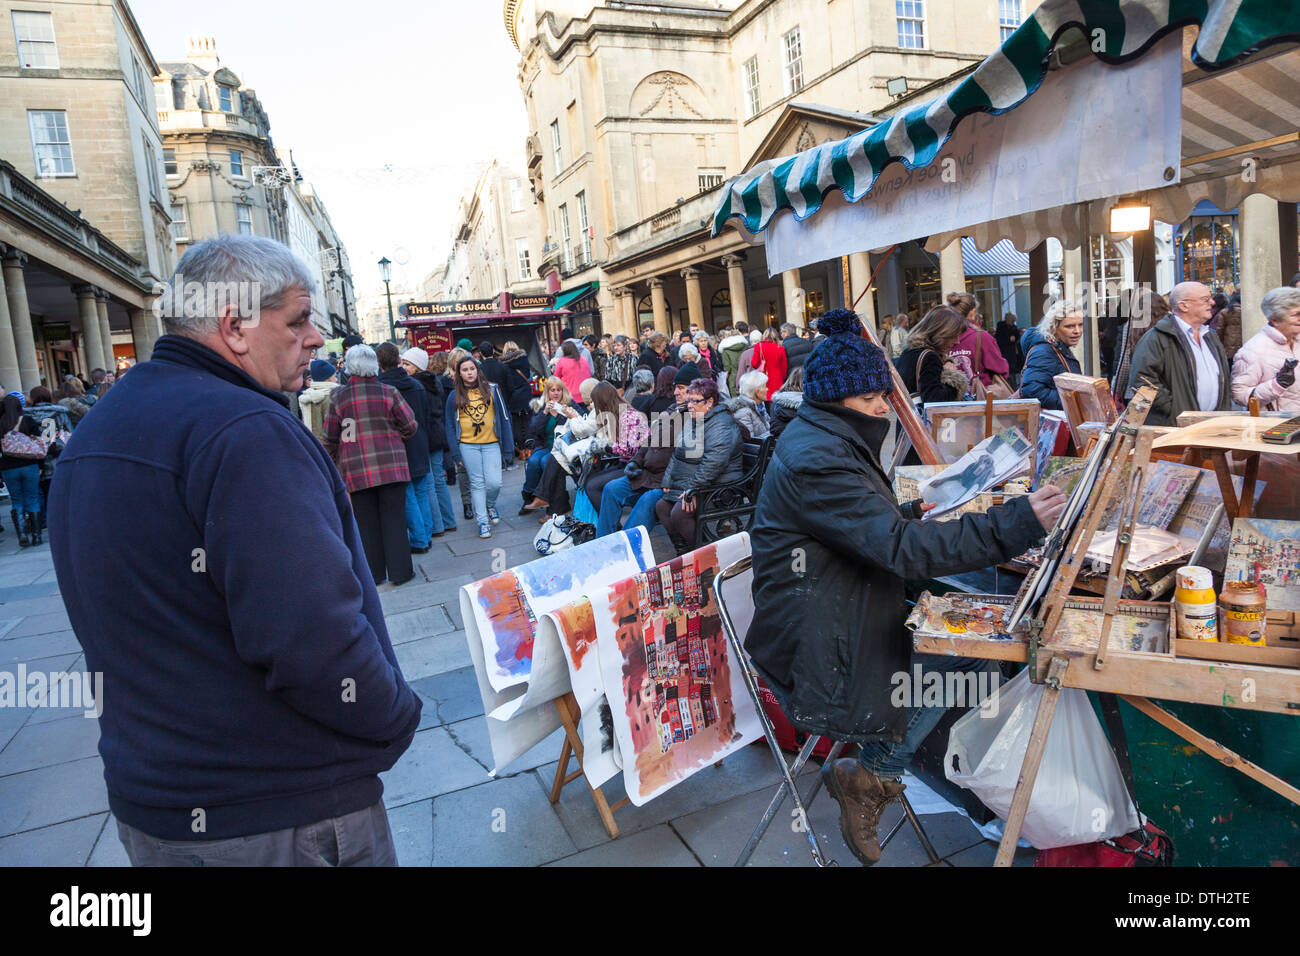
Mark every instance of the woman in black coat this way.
pixel 925 367
pixel 519 400
pixel 829 637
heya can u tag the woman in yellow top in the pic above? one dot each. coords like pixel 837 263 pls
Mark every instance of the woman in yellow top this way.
pixel 478 427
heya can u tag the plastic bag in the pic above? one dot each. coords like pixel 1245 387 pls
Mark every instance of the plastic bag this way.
pixel 1079 795
pixel 561 532
pixel 583 509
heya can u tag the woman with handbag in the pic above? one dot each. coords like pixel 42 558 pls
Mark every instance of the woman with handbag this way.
pixel 55 427
pixel 987 365
pixel 770 359
pixel 1052 355
pixel 21 452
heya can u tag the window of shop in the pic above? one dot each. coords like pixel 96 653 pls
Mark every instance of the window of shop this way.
pixel 752 99
pixel 911 23
pixel 1008 17
pixel 921 288
pixel 792 54
pixel 1209 252
pixel 1107 275
pixel 51 143
pixel 988 296
pixel 35 35
pixel 814 304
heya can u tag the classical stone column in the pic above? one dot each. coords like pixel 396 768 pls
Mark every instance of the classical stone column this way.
pixel 91 334
pixel 20 319
pixel 859 280
pixel 1261 258
pixel 142 322
pixel 952 271
pixel 105 330
pixel 736 284
pixel 9 377
pixel 792 295
pixel 660 306
pixel 694 298
pixel 627 307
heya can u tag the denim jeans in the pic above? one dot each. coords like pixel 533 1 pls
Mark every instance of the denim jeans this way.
pixel 887 759
pixel 419 516
pixel 440 510
pixel 643 512
pixel 483 464
pixel 613 499
pixel 24 484
pixel 533 470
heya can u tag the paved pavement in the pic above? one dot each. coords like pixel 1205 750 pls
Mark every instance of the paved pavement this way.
pixel 444 807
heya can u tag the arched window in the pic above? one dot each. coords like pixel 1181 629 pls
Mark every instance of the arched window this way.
pixel 645 311
pixel 720 309
pixel 1210 251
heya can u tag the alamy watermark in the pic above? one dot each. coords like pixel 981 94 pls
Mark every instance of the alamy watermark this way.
pixel 920 687
pixel 25 688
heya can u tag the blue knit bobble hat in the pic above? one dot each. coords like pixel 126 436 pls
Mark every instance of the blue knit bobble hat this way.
pixel 844 363
pixel 321 370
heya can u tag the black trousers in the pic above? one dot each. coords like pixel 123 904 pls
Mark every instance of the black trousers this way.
pixel 553 488
pixel 597 481
pixel 381 521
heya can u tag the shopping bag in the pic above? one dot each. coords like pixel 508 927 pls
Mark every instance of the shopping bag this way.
pixel 561 532
pixel 583 509
pixel 1079 795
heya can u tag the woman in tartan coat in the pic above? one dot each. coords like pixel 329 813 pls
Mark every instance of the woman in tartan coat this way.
pixel 366 428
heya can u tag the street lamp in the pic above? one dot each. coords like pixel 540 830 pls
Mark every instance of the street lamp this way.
pixel 386 273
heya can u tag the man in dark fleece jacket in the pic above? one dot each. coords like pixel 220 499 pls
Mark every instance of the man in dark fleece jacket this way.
pixel 251 694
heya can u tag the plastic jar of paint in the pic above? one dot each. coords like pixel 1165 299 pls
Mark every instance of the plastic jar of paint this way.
pixel 1242 613
pixel 1194 606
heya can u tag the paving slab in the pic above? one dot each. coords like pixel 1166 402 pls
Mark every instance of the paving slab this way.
pixel 433 655
pixel 749 769
pixel 28 592
pixel 36 647
pixel 49 743
pixel 417 623
pixel 432 765
pixel 506 822
pixel 412 827
pixel 38 798
pixel 62 844
pixel 424 594
pixel 454 695
pixel 442 568
pixel 473 735
pixel 41 624
pixel 108 848
pixel 512 540
pixel 986 851
pixel 658 846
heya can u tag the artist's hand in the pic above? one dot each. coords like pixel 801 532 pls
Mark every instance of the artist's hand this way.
pixel 1286 374
pixel 1048 502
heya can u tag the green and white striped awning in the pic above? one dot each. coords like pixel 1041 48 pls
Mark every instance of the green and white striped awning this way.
pixel 1119 30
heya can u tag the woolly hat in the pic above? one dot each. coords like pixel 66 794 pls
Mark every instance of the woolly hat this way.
pixel 844 364
pixel 417 357
pixel 322 370
pixel 685 375
pixel 465 344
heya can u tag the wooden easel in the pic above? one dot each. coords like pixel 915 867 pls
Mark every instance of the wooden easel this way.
pixel 570 715
pixel 1181 679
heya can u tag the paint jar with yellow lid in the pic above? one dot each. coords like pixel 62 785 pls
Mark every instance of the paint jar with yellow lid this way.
pixel 1194 604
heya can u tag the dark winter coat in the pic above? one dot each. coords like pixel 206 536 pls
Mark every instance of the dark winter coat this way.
pixel 828 636
pixel 1042 365
pixel 437 422
pixel 650 359
pixel 796 350
pixel 707 453
pixel 417 446
pixel 495 371
pixel 785 406
pixel 520 378
pixel 1164 358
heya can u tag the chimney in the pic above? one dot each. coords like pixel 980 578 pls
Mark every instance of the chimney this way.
pixel 203 53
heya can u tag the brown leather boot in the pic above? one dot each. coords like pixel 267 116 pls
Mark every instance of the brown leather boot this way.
pixel 862 797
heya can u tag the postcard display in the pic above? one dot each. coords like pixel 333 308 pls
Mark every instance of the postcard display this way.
pixel 640 646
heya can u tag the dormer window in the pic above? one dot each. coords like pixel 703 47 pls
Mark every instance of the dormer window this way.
pixel 224 98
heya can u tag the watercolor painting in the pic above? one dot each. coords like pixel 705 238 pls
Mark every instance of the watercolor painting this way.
pixel 682 703
pixel 1268 552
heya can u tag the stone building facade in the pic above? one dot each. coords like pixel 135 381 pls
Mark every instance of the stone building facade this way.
pixel 639 111
pixel 83 207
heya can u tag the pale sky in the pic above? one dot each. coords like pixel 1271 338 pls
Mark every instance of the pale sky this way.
pixel 388 106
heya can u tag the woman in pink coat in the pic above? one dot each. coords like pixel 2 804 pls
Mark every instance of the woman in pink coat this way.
pixel 571 368
pixel 770 359
pixel 1261 369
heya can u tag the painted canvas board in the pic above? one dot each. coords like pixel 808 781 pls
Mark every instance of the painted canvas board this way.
pixel 1228 433
pixel 518 673
pixel 1050 423
pixel 680 702
pixel 1267 552
pixel 1085 399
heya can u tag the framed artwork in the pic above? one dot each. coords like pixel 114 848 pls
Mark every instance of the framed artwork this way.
pixel 957 427
pixel 1085 399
